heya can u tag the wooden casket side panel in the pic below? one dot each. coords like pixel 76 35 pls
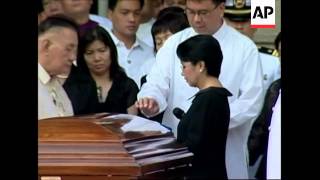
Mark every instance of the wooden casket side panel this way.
pixel 72 147
pixel 158 152
pixel 96 148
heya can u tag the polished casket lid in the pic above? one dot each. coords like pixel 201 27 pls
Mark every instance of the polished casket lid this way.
pixel 107 145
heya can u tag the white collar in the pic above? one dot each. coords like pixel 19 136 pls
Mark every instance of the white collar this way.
pixel 219 35
pixel 137 43
pixel 43 75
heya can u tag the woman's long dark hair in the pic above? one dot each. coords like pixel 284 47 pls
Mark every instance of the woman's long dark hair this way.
pixel 99 33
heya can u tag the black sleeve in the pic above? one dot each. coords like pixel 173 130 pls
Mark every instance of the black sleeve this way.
pixel 191 129
pixel 132 91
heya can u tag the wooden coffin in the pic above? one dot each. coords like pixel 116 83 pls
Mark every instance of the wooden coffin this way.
pixel 95 148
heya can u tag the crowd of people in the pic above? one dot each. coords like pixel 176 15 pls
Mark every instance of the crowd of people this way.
pixel 149 57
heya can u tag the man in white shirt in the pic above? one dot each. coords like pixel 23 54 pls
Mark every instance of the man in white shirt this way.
pixel 132 52
pixel 241 74
pixel 57 49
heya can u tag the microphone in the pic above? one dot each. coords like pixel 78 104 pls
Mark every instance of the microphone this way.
pixel 178 113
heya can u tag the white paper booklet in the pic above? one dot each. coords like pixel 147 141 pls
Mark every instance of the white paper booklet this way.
pixel 138 123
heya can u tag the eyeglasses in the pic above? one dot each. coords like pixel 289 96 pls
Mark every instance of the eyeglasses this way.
pixel 201 13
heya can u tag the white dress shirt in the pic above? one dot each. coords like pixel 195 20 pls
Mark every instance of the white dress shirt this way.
pixel 270 68
pixel 241 74
pixel 52 99
pixel 131 60
pixel 147 66
pixel 274 144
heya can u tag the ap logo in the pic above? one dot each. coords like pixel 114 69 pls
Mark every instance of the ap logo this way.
pixel 263 14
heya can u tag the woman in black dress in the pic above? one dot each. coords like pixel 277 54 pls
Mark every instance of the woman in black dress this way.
pixel 204 128
pixel 98 83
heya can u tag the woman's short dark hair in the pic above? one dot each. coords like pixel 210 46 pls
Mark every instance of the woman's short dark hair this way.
pixel 202 48
pixel 170 19
pixel 99 33
pixel 57 21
